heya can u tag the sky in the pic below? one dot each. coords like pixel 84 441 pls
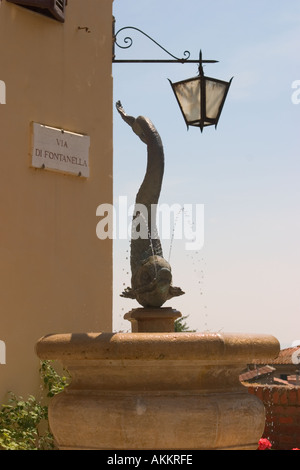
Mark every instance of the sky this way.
pixel 245 174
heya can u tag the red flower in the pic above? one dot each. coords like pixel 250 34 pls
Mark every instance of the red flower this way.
pixel 264 444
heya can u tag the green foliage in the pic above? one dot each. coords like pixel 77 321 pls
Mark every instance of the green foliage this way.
pixel 19 425
pixel 181 326
pixel 24 423
pixel 53 382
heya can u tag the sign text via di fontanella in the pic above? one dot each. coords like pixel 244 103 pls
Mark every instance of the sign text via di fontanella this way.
pixel 60 150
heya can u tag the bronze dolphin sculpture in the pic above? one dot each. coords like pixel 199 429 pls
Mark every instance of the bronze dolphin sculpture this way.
pixel 151 280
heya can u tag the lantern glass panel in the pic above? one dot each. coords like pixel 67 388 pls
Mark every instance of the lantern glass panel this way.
pixel 215 92
pixel 189 98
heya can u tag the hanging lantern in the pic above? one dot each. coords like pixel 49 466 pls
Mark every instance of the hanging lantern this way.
pixel 201 98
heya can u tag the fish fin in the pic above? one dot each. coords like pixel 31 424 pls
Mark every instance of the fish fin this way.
pixel 175 291
pixel 128 293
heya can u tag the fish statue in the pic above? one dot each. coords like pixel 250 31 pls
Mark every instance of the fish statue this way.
pixel 151 275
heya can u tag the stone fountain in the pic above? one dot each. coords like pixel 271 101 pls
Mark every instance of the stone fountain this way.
pixel 154 389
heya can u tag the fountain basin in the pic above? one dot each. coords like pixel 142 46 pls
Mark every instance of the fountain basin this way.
pixel 156 390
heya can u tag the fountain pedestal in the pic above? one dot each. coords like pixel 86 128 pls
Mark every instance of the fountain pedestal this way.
pixel 156 390
pixel 152 320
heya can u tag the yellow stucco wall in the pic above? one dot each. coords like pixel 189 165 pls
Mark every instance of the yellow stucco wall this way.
pixel 55 274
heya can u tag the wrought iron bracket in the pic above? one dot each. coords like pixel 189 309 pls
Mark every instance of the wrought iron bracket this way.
pixel 128 42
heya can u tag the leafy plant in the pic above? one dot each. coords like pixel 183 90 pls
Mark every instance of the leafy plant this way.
pixel 24 423
pixel 181 325
pixel 53 382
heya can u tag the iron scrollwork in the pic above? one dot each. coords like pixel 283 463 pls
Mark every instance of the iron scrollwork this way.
pixel 128 42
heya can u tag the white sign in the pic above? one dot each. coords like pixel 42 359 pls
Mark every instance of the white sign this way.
pixel 60 150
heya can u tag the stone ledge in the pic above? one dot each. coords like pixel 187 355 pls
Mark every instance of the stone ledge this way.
pixel 232 347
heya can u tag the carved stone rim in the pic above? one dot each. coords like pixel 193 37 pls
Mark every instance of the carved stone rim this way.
pixel 223 348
